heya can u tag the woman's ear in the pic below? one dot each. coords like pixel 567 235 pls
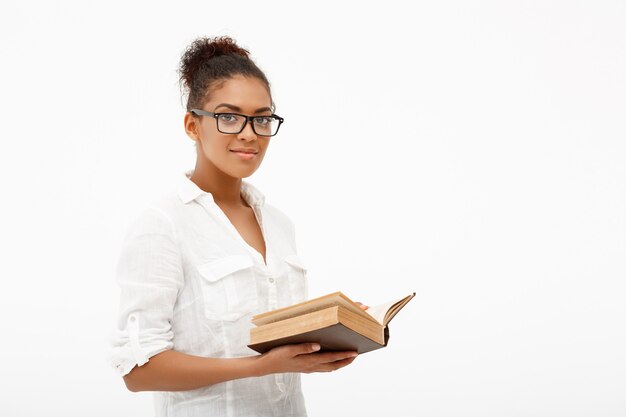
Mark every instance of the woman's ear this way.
pixel 191 126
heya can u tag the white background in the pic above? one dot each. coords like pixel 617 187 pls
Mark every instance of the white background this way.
pixel 472 152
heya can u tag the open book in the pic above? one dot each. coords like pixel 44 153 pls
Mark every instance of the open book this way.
pixel 333 320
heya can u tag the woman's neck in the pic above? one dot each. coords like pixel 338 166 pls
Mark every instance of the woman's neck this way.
pixel 226 190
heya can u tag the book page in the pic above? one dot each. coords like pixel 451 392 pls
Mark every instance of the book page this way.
pixel 329 300
pixel 383 313
pixel 379 311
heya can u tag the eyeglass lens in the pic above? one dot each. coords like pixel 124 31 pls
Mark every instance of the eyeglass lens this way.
pixel 232 123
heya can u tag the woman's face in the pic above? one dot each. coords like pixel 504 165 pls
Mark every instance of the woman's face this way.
pixel 245 95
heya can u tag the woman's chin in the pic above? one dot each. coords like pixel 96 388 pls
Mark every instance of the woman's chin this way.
pixel 242 173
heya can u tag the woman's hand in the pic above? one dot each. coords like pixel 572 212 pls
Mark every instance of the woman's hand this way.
pixel 303 358
pixel 363 306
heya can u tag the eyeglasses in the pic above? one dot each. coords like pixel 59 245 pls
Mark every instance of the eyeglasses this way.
pixel 235 122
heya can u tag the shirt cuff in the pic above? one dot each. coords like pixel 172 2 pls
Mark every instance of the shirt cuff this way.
pixel 130 350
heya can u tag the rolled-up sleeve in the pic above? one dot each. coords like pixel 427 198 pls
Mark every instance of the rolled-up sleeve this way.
pixel 150 275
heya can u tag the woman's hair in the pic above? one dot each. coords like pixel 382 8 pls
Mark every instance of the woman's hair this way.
pixel 209 62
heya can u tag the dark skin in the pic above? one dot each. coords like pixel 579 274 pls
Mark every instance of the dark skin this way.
pixel 219 171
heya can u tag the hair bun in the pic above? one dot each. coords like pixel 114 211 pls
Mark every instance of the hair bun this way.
pixel 208 62
pixel 204 49
pixel 207 48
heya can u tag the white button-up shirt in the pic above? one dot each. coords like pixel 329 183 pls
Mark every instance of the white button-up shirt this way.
pixel 191 283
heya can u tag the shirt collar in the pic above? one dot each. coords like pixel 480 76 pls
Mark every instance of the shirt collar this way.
pixel 189 191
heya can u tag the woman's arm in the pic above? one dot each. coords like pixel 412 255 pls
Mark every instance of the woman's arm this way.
pixel 175 371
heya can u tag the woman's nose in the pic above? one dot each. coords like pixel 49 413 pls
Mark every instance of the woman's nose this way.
pixel 247 132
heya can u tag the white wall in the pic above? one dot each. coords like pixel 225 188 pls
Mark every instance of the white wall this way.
pixel 472 152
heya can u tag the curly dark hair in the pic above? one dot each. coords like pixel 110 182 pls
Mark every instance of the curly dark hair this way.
pixel 208 62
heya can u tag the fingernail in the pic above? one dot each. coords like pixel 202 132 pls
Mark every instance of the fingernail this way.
pixel 352 355
pixel 316 347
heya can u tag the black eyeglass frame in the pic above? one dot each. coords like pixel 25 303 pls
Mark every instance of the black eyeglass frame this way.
pixel 200 112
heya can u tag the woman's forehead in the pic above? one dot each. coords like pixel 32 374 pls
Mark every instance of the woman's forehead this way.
pixel 246 93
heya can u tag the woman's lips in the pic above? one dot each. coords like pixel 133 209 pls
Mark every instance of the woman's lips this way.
pixel 245 155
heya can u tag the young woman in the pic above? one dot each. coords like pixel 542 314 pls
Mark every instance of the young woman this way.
pixel 199 262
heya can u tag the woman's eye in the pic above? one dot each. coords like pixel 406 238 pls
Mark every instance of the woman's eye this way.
pixel 263 120
pixel 227 117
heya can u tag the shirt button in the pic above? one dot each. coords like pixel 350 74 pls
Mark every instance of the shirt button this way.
pixel 271 280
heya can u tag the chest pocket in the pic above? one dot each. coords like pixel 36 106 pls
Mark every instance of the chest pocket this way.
pixel 228 287
pixel 298 280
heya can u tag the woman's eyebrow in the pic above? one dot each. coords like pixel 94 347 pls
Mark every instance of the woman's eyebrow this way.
pixel 233 107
